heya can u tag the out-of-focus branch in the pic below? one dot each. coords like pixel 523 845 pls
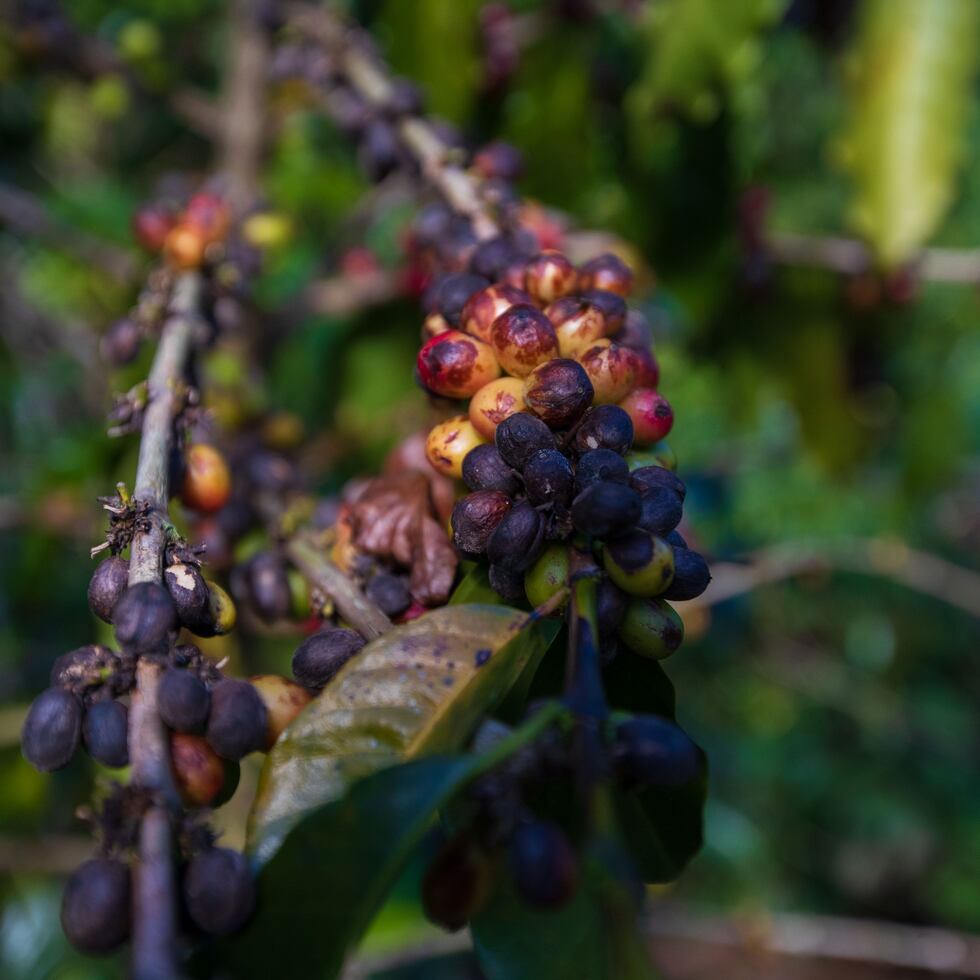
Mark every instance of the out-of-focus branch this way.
pixel 343 295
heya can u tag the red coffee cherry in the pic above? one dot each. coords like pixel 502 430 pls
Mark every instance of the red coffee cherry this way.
pixel 606 271
pixel 495 402
pixel 651 414
pixel 207 479
pixel 456 365
pixel 151 224
pixel 199 771
pixel 548 276
pixel 523 338
pixel 484 307
pixel 611 369
pixel 209 215
pixel 578 324
pixel 448 443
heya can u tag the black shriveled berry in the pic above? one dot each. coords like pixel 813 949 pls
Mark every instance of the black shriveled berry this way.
pixel 219 890
pixel 88 666
pixel 656 751
pixel 268 587
pixel 519 436
pixel 144 617
pixel 558 392
pixel 484 469
pixel 649 477
pixel 191 597
pixel 661 511
pixel 455 884
pixel 453 292
pixel 105 733
pixel 691 575
pixel 518 538
pixel 605 508
pixel 96 908
pixel 107 584
pixel 611 305
pixel 611 603
pixel 52 729
pixel 507 584
pixel 543 864
pixel 237 720
pixel 600 465
pixel 548 478
pixel 321 655
pixel 474 519
pixel 389 593
pixel 605 427
pixel 183 701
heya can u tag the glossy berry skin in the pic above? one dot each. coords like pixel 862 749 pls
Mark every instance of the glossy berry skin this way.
pixel 484 469
pixel 600 465
pixel 456 365
pixel 522 338
pixel 612 306
pixel 483 307
pixel 495 402
pixel 605 508
pixel 651 628
pixel 456 884
pixel 144 618
pixel 151 224
pixel 639 563
pixel 105 733
pixel 52 729
pixel 549 276
pixel 660 511
pixel 611 370
pixel 283 700
pixel 651 414
pixel 390 593
pixel 608 272
pixel 578 324
pixel 517 540
pixel 96 909
pixel 691 575
pixel 448 443
pixel 651 477
pixel 520 436
pixel 207 479
pixel 199 771
pixel 543 864
pixel 604 427
pixel 320 656
pixel 657 752
pixel 475 517
pixel 548 478
pixel 191 597
pixel 219 890
pixel 558 392
pixel 183 701
pixel 237 722
pixel 547 575
pixel 108 582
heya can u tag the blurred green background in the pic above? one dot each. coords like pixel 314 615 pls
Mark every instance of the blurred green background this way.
pixel 827 395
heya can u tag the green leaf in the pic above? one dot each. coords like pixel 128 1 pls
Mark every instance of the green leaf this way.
pixel 419 689
pixel 915 62
pixel 475 587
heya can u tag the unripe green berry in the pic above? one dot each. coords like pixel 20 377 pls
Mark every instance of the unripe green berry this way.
pixel 639 563
pixel 651 628
pixel 547 575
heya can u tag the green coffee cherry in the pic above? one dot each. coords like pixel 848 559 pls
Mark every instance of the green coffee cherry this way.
pixel 651 628
pixel 639 563
pixel 547 575
pixel 660 454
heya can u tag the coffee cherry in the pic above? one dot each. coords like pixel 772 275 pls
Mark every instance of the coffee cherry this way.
pixel 237 721
pixel 675 540
pixel 506 583
pixel 484 469
pixel 661 511
pixel 378 152
pixel 144 617
pixel 548 478
pixel 219 890
pixel 283 701
pixel 522 338
pixel 456 884
pixel 120 344
pixel 108 582
pixel 474 519
pixel 184 247
pixel 151 224
pixel 483 307
pixel 495 402
pixel 543 864
pixel 635 331
pixel 454 291
pixel 389 593
pixel 268 587
pixel 611 369
pixel 578 324
pixel 547 575
pixel 96 909
pixel 491 257
pixel 600 465
pixel 199 772
pixel 52 729
pixel 223 613
pixel 691 575
pixel 657 752
pixel 558 392
pixel 433 325
pixel 660 455
pixel 105 733
pixel 651 413
pixel 611 305
pixel 209 214
pixel 207 479
pixel 456 365
pixel 647 370
pixel 604 427
pixel 191 597
pixel 87 666
pixel 611 603
pixel 448 443
pixel 604 508
pixel 639 563
pixel 647 478
pixel 651 628
pixel 499 159
pixel 548 276
pixel 320 656
pixel 517 540
pixel 607 272
pixel 183 701
pixel 520 436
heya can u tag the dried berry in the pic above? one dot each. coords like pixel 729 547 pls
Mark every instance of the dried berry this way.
pixel 578 324
pixel 604 427
pixel 96 908
pixel 548 478
pixel 600 465
pixel 268 587
pixel 207 479
pixel 283 700
pixel 144 618
pixel 456 365
pixel 558 392
pixel 639 563
pixel 320 656
pixel 656 751
pixel 219 890
pixel 605 508
pixel 52 729
pixel 517 540
pixel 448 443
pixel 495 402
pixel 237 720
pixel 522 338
pixel 520 436
pixel 390 593
pixel 90 666
pixel 108 582
pixel 651 477
pixel 456 883
pixel 661 511
pixel 548 276
pixel 483 307
pixel 183 701
pixel 607 272
pixel 651 628
pixel 691 575
pixel 548 575
pixel 191 597
pixel 484 469
pixel 611 369
pixel 651 414
pixel 474 519
pixel 105 733
pixel 543 864
pixel 199 772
